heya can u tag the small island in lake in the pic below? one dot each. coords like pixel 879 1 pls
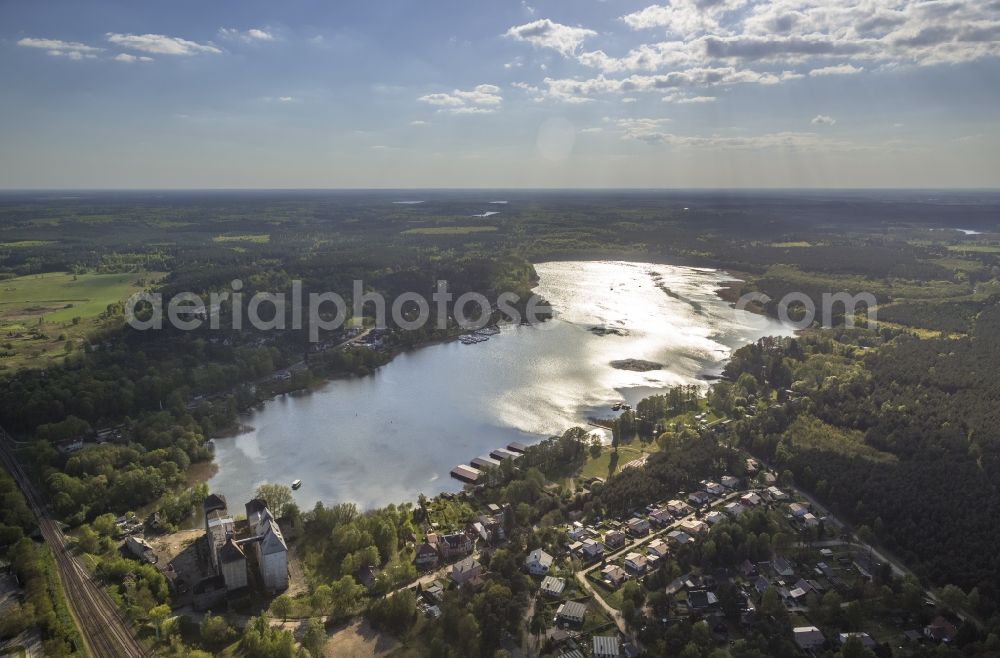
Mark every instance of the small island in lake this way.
pixel 637 365
pixel 601 330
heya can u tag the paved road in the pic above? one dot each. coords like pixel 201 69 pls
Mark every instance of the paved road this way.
pixel 105 630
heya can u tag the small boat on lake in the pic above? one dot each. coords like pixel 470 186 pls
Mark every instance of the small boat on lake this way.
pixel 296 484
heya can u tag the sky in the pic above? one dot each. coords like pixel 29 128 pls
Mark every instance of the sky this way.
pixel 516 93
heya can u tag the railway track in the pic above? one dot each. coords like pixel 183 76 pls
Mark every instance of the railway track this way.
pixel 104 628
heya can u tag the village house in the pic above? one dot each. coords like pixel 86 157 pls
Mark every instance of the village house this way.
pixel 808 638
pixel 751 499
pixel 636 563
pixel 455 544
pixel 714 517
pixel 576 531
pixel 638 527
pixel 572 612
pixel 614 539
pixel 552 586
pixel 798 510
pixel 426 556
pixel 733 509
pixel 941 630
pixel 774 493
pixel 730 482
pixel 809 520
pixel 678 508
pixel 465 570
pixel 591 550
pixel 701 599
pixel 613 575
pixel 866 640
pixel 693 526
pixel 660 517
pixel 699 498
pixel 606 646
pixel 491 527
pixel 538 562
pixel 140 549
pixel 658 548
pixel 679 537
pixel 712 488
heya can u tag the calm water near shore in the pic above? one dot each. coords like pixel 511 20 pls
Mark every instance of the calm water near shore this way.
pixel 398 432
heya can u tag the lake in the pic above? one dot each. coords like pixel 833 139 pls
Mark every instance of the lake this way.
pixel 397 433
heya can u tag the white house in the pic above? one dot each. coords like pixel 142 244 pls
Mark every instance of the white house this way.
pixel 657 548
pixel 636 563
pixel 714 517
pixel 713 488
pixel 538 562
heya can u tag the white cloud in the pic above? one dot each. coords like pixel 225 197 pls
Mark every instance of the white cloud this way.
pixel 59 48
pixel 570 89
pixel 651 131
pixel 839 69
pixel 823 120
pixel 482 99
pixel 253 35
pixel 125 57
pixel 683 18
pixel 545 33
pixel 418 122
pixel 159 44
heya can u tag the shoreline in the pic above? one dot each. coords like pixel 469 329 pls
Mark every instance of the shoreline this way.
pixel 728 290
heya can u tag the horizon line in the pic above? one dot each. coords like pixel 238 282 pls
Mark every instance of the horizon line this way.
pixel 14 190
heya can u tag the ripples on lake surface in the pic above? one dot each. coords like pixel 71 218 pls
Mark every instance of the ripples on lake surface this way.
pixel 398 432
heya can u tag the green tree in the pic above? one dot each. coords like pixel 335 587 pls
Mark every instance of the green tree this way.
pixel 282 607
pixel 215 632
pixel 314 638
pixel 157 616
pixel 276 496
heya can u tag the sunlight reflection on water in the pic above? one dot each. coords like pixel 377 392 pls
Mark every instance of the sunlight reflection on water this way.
pixel 387 437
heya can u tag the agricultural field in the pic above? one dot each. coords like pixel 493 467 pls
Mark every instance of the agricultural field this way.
pixel 45 316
